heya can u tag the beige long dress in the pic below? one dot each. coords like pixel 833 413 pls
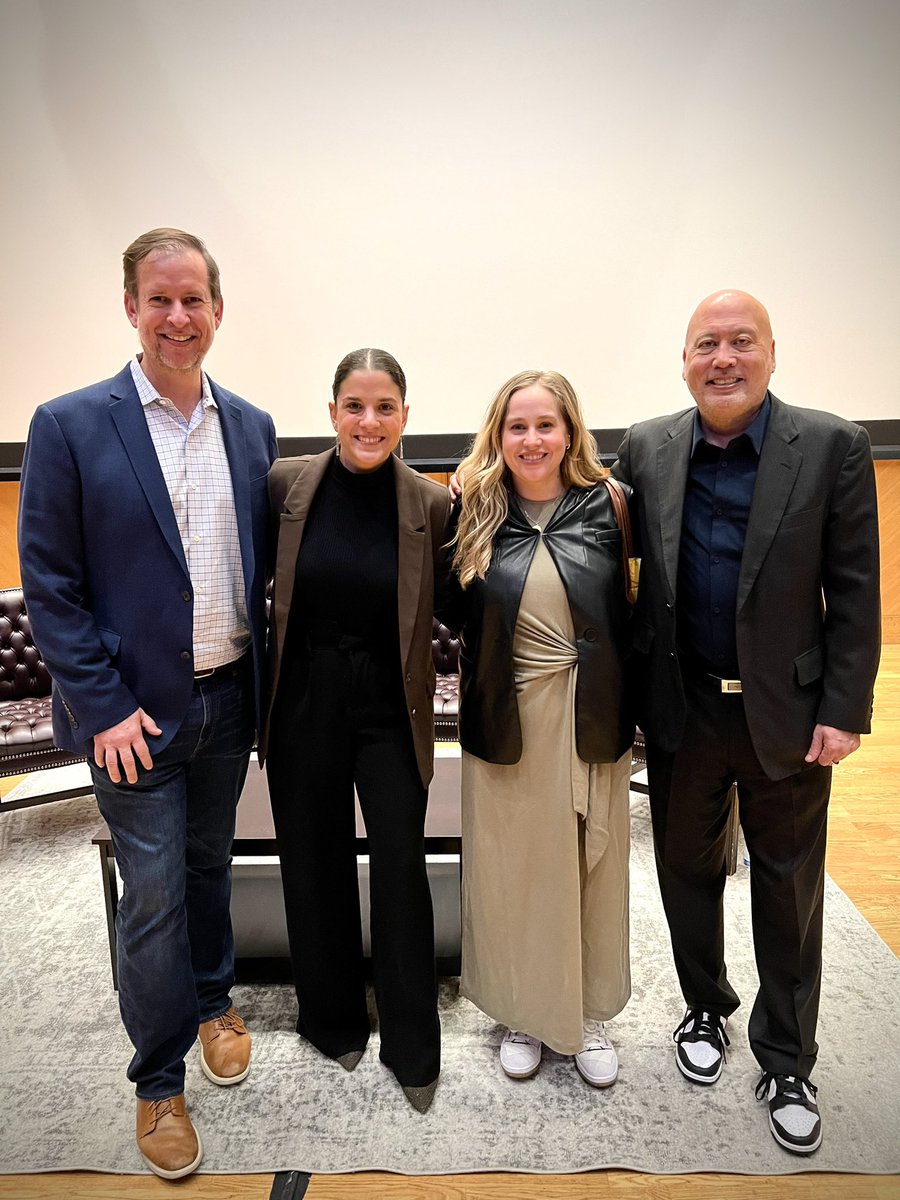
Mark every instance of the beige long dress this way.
pixel 545 846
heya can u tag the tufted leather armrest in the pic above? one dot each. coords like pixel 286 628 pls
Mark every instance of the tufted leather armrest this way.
pixel 445 656
pixel 22 671
pixel 26 732
pixel 444 649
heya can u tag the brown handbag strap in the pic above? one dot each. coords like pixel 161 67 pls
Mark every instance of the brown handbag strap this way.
pixel 623 517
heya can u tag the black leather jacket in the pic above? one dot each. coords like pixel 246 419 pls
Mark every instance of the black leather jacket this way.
pixel 585 543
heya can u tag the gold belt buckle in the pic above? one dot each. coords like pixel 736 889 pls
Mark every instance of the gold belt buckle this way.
pixel 731 685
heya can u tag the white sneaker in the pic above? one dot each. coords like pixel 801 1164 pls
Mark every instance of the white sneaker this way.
pixel 597 1062
pixel 700 1042
pixel 520 1054
pixel 793 1112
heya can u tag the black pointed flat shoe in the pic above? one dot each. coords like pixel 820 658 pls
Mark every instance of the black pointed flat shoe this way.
pixel 420 1097
pixel 349 1060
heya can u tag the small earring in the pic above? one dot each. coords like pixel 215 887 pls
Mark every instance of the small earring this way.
pixel 568 445
pixel 401 445
pixel 337 446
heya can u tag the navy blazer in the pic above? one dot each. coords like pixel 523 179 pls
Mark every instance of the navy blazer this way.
pixel 106 583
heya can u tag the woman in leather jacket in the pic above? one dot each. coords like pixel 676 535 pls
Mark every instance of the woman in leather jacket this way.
pixel 546 731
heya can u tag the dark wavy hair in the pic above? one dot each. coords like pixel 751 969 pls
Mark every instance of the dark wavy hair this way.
pixel 369 359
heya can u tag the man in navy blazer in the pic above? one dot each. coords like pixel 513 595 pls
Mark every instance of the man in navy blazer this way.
pixel 757 637
pixel 142 542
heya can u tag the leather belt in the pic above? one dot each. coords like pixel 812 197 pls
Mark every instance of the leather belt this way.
pixel 729 686
pixel 229 667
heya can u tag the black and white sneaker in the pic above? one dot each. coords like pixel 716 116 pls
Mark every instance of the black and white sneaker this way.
pixel 793 1113
pixel 700 1042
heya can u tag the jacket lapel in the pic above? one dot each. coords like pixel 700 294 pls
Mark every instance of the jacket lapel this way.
pixel 779 464
pixel 410 546
pixel 672 460
pixel 128 416
pixel 232 424
pixel 292 524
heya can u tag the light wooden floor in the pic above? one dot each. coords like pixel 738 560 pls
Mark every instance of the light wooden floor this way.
pixel 863 859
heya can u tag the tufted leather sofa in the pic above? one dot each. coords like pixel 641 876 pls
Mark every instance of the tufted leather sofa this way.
pixel 26 736
pixel 445 655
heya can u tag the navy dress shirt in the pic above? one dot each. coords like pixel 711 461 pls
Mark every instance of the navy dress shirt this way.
pixel 717 501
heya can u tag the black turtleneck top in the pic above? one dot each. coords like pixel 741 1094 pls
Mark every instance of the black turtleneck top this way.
pixel 346 571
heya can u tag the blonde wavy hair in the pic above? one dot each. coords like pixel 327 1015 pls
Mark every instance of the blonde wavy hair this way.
pixel 486 478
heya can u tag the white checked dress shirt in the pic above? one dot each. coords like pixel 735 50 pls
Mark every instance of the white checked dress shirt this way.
pixel 195 467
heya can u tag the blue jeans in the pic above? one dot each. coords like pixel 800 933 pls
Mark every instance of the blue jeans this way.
pixel 172 833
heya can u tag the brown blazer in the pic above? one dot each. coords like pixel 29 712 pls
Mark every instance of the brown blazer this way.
pixel 423 515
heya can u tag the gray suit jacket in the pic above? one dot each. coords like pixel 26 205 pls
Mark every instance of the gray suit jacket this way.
pixel 808 603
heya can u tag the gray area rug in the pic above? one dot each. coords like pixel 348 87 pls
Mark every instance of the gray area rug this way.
pixel 68 1106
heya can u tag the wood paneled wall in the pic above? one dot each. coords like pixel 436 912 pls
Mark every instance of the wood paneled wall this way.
pixel 887 475
pixel 9 556
pixel 9 507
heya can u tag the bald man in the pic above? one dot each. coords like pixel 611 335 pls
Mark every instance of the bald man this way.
pixel 757 643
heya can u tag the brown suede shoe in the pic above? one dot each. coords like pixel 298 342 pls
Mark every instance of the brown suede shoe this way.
pixel 225 1049
pixel 169 1143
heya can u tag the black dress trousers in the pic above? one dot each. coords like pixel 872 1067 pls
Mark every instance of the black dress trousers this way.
pixel 784 824
pixel 340 719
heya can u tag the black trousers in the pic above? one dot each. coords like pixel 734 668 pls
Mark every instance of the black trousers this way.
pixel 341 719
pixel 784 824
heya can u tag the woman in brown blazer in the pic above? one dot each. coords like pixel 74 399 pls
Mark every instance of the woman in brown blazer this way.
pixel 359 552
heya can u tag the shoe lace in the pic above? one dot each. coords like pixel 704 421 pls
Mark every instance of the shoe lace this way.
pixel 161 1108
pixel 707 1028
pixel 228 1020
pixel 519 1038
pixel 788 1086
pixel 595 1035
pixel 158 1110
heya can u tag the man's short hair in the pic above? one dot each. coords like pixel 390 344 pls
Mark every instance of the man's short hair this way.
pixel 169 241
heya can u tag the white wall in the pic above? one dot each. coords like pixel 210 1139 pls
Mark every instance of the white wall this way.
pixel 476 186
